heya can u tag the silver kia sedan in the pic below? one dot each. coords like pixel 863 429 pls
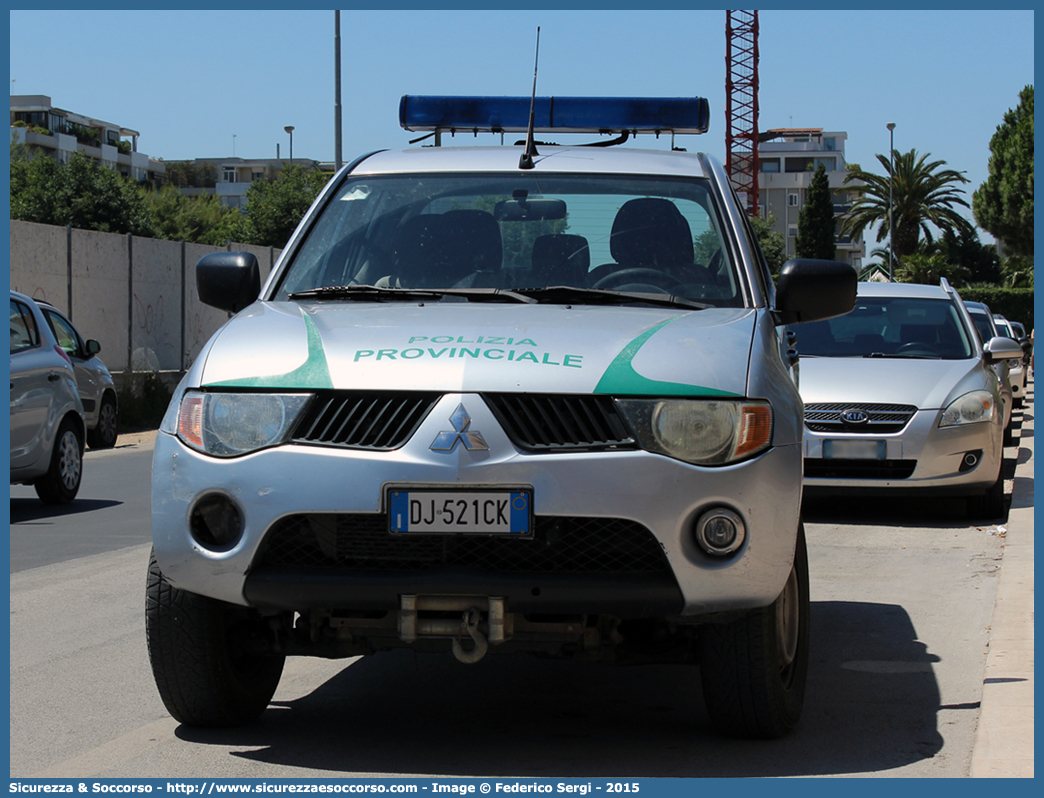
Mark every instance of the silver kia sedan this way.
pixel 901 396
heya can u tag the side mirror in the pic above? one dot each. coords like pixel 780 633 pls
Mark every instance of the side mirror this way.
pixel 93 347
pixel 812 290
pixel 1001 348
pixel 228 280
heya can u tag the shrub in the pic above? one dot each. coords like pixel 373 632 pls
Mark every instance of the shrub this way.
pixel 1014 304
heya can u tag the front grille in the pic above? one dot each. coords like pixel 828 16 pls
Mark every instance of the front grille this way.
pixel 364 420
pixel 362 542
pixel 826 417
pixel 558 422
pixel 818 468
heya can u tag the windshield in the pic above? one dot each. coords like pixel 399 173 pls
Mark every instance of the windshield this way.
pixel 983 325
pixel 890 327
pixel 513 232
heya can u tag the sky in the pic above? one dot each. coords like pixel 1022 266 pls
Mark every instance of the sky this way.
pixel 201 83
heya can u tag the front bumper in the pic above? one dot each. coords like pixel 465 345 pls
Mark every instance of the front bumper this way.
pixel 319 486
pixel 922 457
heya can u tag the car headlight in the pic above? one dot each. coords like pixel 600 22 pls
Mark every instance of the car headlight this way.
pixel 968 409
pixel 230 424
pixel 702 432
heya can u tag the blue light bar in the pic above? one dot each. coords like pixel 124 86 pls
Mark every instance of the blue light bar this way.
pixel 556 114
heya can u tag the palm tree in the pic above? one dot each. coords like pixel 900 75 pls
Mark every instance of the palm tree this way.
pixel 924 194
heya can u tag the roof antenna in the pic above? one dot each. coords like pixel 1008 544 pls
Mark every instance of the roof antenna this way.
pixel 526 161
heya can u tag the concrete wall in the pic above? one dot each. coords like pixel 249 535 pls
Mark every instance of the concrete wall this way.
pixel 136 296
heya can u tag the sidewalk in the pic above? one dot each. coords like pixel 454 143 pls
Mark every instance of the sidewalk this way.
pixel 1004 744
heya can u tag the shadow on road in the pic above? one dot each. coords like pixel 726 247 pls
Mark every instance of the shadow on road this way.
pixel 33 510
pixel 871 706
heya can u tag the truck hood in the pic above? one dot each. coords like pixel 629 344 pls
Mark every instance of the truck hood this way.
pixel 926 384
pixel 465 347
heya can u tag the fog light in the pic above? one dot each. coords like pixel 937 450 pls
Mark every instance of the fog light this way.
pixel 970 460
pixel 720 531
pixel 215 522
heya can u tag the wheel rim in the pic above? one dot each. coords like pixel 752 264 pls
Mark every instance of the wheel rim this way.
pixel 107 422
pixel 69 460
pixel 788 624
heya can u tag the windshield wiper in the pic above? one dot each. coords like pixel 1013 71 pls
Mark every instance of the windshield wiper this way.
pixel 367 292
pixel 565 294
pixel 904 356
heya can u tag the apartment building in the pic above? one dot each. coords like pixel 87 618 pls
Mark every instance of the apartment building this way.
pixel 58 133
pixel 788 157
pixel 229 178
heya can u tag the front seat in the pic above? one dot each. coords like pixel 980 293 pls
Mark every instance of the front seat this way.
pixel 649 233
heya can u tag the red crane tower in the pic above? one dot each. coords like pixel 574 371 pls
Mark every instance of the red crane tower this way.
pixel 741 104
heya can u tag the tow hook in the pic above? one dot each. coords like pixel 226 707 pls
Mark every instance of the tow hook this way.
pixel 429 617
pixel 469 624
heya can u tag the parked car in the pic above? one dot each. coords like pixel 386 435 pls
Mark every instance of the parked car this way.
pixel 95 384
pixel 902 398
pixel 986 328
pixel 1017 371
pixel 47 428
pixel 490 401
pixel 1024 339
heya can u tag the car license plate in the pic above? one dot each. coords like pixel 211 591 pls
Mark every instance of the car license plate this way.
pixel 854 450
pixel 455 512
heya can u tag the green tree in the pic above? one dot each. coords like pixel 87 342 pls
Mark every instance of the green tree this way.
pixel 276 206
pixel 924 195
pixel 81 193
pixel 1003 205
pixel 1017 272
pixel 199 220
pixel 927 269
pixel 815 238
pixel 773 244
pixel 966 250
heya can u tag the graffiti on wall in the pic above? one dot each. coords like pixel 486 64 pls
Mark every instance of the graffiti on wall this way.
pixel 154 345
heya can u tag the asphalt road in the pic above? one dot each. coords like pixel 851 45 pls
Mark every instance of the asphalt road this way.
pixel 902 598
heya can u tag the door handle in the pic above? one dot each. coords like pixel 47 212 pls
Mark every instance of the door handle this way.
pixel 54 377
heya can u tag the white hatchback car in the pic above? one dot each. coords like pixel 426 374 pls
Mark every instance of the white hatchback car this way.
pixel 93 380
pixel 496 399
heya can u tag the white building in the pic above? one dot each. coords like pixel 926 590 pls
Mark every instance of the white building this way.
pixel 42 127
pixel 787 160
pixel 229 178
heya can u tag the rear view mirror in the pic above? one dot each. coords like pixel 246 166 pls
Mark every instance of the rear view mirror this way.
pixel 92 346
pixel 1001 348
pixel 811 290
pixel 531 209
pixel 228 280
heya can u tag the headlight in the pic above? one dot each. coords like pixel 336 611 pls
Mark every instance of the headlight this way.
pixel 968 409
pixel 698 431
pixel 230 424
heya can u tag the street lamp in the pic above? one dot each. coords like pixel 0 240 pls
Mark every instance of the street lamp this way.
pixel 891 177
pixel 290 129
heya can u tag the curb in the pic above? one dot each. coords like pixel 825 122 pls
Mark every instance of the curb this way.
pixel 1004 740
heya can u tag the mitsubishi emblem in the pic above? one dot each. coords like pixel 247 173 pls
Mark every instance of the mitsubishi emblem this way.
pixel 447 441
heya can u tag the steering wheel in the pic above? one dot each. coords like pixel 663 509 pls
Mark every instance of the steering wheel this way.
pixel 638 275
pixel 916 346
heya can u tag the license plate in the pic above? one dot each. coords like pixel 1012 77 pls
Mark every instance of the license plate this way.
pixel 455 512
pixel 854 450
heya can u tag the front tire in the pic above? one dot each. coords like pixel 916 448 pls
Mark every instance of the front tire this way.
pixel 61 483
pixel 198 648
pixel 754 669
pixel 990 505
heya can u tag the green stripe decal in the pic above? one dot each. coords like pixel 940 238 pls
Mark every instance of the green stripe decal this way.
pixel 621 378
pixel 312 374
